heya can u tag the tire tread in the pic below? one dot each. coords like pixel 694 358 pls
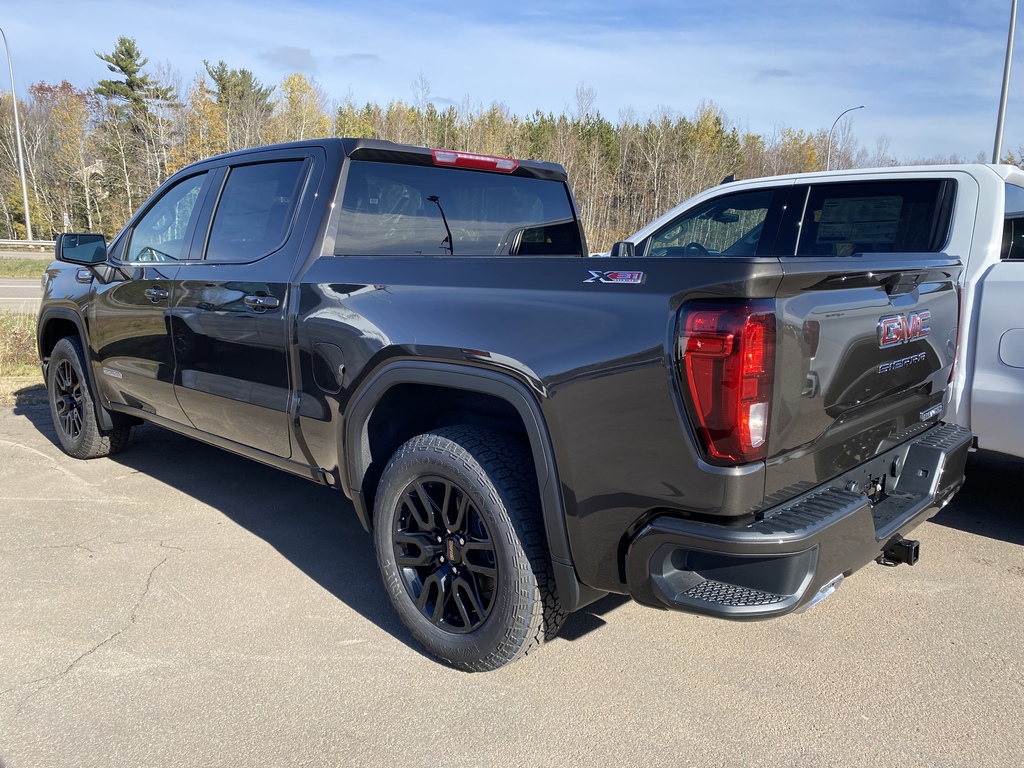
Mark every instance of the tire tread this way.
pixel 93 442
pixel 498 462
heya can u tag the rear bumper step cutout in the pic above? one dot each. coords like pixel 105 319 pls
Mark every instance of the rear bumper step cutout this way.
pixel 798 553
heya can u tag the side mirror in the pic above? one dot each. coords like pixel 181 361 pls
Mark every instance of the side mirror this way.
pixel 81 248
pixel 622 250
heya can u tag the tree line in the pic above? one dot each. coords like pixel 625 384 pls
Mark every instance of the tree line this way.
pixel 93 156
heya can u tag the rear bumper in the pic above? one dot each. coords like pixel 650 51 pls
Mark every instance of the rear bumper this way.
pixel 802 548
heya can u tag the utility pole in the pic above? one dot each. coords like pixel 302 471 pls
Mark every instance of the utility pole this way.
pixel 17 140
pixel 997 150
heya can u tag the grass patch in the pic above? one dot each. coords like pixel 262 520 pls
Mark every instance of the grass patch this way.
pixel 18 353
pixel 22 267
pixel 21 380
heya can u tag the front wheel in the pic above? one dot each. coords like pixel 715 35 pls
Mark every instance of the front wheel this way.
pixel 461 548
pixel 72 406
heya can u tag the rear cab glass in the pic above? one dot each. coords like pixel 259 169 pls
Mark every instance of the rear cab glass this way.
pixel 395 209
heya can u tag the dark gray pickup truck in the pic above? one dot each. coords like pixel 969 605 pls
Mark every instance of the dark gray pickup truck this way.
pixel 728 428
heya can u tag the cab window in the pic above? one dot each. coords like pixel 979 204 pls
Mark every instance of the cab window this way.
pixel 1013 226
pixel 160 235
pixel 726 226
pixel 876 217
pixel 255 210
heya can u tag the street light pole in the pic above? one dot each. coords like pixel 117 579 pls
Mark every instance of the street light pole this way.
pixel 17 140
pixel 828 157
pixel 998 148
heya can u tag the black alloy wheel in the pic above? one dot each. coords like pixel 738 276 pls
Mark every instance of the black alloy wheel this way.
pixel 67 398
pixel 445 553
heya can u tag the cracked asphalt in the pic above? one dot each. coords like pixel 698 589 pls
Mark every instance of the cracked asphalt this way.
pixel 179 606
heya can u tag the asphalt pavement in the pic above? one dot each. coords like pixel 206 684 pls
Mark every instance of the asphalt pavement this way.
pixel 180 606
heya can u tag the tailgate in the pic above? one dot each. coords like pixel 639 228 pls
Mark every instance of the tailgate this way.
pixel 864 356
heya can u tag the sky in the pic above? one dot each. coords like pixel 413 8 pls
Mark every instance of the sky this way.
pixel 929 72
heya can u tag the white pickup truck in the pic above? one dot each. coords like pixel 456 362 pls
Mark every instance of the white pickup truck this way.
pixel 975 213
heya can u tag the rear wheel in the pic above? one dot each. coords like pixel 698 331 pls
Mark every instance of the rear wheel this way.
pixel 72 407
pixel 461 548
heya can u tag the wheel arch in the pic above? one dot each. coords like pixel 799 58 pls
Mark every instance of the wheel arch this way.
pixel 54 325
pixel 57 323
pixel 379 420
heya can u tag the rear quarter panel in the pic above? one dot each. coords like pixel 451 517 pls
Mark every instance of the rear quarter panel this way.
pixel 597 357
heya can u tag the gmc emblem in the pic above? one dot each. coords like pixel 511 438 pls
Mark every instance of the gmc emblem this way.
pixel 899 329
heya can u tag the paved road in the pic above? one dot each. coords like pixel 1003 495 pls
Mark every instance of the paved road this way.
pixel 40 254
pixel 178 606
pixel 20 294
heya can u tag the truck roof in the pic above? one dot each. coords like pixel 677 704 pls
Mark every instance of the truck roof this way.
pixel 1004 171
pixel 380 150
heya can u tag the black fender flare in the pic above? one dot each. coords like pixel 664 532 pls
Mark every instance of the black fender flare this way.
pixel 356 451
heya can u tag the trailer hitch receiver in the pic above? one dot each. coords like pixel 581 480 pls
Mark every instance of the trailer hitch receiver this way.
pixel 900 550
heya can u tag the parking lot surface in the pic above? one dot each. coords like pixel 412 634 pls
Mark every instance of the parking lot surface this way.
pixel 177 605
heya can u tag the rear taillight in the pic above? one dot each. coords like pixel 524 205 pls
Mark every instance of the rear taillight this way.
pixel 726 359
pixel 812 334
pixel 473 160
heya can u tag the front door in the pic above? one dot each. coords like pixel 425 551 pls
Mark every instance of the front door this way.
pixel 132 354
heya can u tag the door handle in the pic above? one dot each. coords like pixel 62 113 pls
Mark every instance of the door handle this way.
pixel 262 303
pixel 156 294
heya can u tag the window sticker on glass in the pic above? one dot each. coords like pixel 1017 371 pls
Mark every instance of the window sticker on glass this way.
pixel 860 219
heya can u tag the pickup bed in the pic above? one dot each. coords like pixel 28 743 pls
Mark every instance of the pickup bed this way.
pixel 715 428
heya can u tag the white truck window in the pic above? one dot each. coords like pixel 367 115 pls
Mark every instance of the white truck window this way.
pixel 1013 227
pixel 875 217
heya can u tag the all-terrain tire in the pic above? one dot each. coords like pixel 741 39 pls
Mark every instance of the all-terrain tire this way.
pixel 73 408
pixel 461 547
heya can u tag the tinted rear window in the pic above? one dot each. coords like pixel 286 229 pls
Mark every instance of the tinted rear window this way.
pixel 876 217
pixel 255 210
pixel 407 210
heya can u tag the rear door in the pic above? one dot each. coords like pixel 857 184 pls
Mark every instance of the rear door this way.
pixel 868 313
pixel 998 386
pixel 229 304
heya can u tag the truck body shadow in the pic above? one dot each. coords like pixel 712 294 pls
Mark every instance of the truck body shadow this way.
pixel 314 527
pixel 989 503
